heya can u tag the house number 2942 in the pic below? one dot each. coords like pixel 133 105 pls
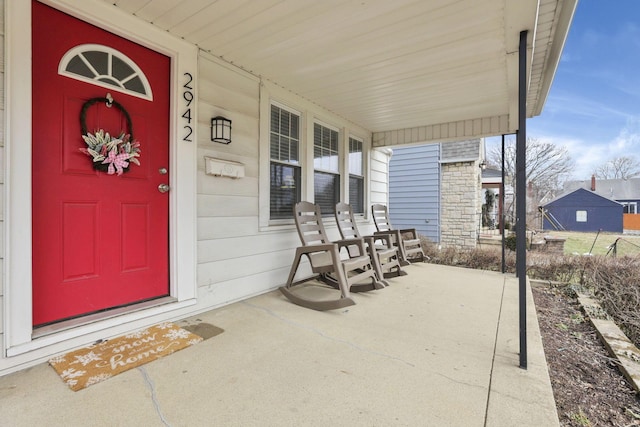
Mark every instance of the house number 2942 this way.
pixel 187 96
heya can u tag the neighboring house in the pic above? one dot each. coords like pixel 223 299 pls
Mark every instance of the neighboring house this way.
pixel 436 189
pixel 240 113
pixel 583 210
pixel 625 192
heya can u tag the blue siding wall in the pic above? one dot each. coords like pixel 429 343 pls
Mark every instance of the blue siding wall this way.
pixel 414 189
pixel 602 214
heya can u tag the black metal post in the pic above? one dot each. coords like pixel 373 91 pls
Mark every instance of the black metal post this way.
pixel 521 197
pixel 504 263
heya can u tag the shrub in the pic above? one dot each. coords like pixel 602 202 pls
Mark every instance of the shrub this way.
pixel 510 242
pixel 616 283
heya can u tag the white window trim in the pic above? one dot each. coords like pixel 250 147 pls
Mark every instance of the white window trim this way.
pixel 300 118
pixel 310 114
pixel 285 107
pixel 361 141
pixel 341 145
pixel 629 205
pixel 80 49
pixel 581 216
pixel 365 173
pixel 17 300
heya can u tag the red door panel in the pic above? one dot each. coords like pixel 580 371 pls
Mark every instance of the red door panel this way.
pixel 99 241
pixel 80 259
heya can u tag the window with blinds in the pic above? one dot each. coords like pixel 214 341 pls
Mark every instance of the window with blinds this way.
pixel 326 188
pixel 326 177
pixel 285 163
pixel 356 176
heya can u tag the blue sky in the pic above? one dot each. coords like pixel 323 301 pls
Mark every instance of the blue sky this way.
pixel 593 107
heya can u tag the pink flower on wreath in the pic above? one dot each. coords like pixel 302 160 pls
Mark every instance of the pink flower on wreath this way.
pixel 116 162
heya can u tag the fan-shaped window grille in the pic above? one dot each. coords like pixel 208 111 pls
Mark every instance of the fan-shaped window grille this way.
pixel 106 67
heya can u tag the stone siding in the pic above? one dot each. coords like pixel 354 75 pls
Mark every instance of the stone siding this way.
pixel 461 204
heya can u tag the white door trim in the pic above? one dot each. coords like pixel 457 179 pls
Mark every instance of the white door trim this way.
pixel 17 305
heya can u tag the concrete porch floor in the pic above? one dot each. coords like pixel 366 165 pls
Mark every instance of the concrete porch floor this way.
pixel 439 347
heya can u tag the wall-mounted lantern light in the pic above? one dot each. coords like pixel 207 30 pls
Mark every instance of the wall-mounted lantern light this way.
pixel 482 165
pixel 221 130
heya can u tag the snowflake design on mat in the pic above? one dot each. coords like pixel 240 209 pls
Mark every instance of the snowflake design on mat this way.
pixel 165 325
pixel 57 359
pixel 176 334
pixel 67 374
pixel 138 334
pixel 97 378
pixel 85 359
pixel 194 341
pixel 71 382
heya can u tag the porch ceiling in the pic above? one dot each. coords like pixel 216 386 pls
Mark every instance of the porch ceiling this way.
pixel 441 68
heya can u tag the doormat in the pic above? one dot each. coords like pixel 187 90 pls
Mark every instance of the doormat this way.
pixel 105 359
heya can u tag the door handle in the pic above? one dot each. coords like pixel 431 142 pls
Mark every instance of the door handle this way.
pixel 163 188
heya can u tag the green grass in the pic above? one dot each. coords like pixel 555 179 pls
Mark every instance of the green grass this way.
pixel 581 243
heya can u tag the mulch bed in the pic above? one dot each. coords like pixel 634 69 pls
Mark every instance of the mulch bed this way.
pixel 588 387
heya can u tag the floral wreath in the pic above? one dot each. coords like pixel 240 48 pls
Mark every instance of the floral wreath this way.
pixel 109 153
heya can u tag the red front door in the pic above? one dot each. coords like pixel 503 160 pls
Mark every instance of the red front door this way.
pixel 99 241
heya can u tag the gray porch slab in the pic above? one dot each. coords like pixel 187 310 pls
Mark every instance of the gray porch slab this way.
pixel 439 347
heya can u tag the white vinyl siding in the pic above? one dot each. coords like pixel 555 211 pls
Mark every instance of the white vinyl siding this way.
pixel 241 251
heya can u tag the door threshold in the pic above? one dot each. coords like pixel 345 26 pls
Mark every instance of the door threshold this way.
pixel 53 328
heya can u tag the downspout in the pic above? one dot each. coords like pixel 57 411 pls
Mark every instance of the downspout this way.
pixel 521 197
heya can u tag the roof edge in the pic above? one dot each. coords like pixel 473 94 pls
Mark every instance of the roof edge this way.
pixel 555 52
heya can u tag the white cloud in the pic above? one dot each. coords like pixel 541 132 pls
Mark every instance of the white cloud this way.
pixel 588 155
pixel 581 106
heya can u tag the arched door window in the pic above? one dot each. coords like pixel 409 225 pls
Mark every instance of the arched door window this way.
pixel 106 67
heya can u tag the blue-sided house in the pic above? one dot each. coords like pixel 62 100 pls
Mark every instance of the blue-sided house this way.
pixel 436 189
pixel 583 210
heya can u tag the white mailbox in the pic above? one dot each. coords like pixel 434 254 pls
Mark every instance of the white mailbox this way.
pixel 219 167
